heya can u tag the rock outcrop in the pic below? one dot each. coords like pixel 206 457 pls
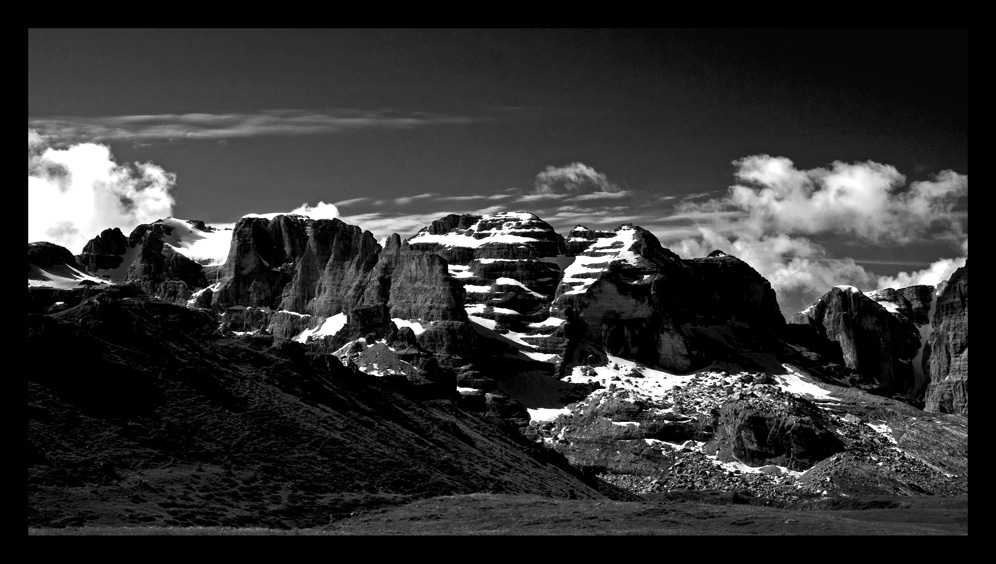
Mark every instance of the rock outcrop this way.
pixel 146 260
pixel 784 431
pixel 44 254
pixel 302 272
pixel 875 342
pixel 105 251
pixel 948 353
pixel 506 262
pixel 641 301
pixel 159 269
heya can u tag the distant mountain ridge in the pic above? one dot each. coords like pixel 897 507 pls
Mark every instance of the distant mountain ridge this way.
pixel 619 290
pixel 596 343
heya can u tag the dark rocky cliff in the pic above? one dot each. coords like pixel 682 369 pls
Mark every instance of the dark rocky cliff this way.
pixel 104 251
pixel 948 355
pixel 874 342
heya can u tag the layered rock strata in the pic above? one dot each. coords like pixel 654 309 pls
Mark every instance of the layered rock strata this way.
pixel 879 344
pixel 948 355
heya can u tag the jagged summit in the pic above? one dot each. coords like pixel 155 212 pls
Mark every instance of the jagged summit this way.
pixel 507 276
pixel 605 350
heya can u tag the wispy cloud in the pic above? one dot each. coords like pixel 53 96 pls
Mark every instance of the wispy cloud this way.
pixel 351 201
pixel 233 125
pixel 409 199
pixel 602 196
pixel 474 197
pixel 528 198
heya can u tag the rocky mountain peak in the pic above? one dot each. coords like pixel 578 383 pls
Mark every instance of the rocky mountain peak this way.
pixel 876 335
pixel 43 253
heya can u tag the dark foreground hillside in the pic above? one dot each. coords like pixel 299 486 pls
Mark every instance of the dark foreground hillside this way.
pixel 683 513
pixel 139 412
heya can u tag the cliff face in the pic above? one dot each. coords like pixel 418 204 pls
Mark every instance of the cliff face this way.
pixel 144 259
pixel 502 260
pixel 947 391
pixel 160 270
pixel 641 301
pixel 321 268
pixel 627 294
pixel 416 285
pixel 104 251
pixel 877 344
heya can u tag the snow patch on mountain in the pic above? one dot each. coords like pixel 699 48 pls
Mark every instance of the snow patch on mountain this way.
pixel 415 326
pixel 584 270
pixel 628 375
pixel 213 287
pixel 208 248
pixel 475 236
pixel 794 381
pixel 542 414
pixel 548 322
pixel 329 327
pixel 460 271
pixel 883 429
pixel 62 277
pixel 505 281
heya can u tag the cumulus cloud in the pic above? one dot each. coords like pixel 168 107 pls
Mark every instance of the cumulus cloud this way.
pixel 798 269
pixel 937 272
pixel 867 200
pixel 321 210
pixel 575 178
pixel 767 220
pixel 76 192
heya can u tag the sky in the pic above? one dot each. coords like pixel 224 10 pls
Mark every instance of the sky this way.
pixel 819 156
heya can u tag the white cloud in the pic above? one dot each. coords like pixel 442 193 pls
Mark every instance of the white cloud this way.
pixel 867 200
pixel 767 218
pixel 798 269
pixel 527 198
pixel 575 178
pixel 474 197
pixel 321 210
pixel 76 192
pixel 227 126
pixel 937 272
pixel 350 201
pixel 601 196
pixel 409 199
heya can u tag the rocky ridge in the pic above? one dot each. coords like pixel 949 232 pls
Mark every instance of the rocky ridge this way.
pixel 877 338
pixel 687 355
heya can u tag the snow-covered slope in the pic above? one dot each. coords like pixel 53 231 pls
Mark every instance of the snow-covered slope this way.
pixel 204 244
pixel 63 277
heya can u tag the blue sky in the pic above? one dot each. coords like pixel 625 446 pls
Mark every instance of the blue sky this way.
pixel 819 156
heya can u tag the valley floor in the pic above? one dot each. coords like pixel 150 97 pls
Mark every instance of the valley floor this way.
pixel 684 513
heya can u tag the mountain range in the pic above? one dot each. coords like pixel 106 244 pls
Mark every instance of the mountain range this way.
pixel 289 370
